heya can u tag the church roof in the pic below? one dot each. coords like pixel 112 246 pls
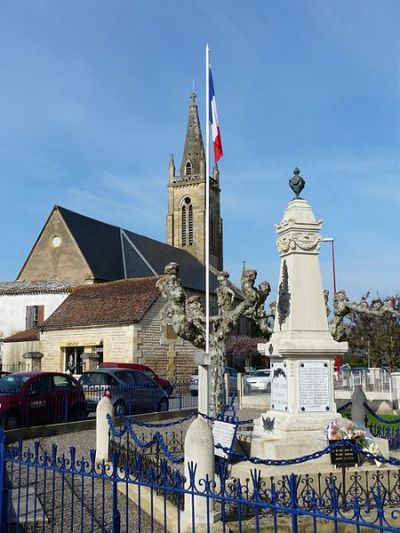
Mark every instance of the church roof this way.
pixel 118 302
pixel 114 253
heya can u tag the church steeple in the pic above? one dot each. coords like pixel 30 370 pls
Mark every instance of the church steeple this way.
pixel 193 159
pixel 186 217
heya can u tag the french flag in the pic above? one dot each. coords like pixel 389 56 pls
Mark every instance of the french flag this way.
pixel 213 117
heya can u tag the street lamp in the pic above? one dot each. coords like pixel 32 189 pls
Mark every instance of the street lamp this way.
pixel 332 241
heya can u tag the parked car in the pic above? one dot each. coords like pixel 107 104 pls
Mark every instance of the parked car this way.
pixel 4 373
pixel 258 381
pixel 131 391
pixel 164 383
pixel 36 398
pixel 194 381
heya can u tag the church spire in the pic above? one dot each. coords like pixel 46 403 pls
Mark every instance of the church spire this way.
pixel 193 153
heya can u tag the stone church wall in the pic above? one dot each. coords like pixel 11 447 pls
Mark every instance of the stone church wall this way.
pixel 56 255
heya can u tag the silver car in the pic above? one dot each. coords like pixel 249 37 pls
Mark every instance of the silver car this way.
pixel 259 381
pixel 131 391
pixel 232 372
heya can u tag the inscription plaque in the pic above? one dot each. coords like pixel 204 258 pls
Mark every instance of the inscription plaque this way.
pixel 343 456
pixel 314 386
pixel 223 434
pixel 279 387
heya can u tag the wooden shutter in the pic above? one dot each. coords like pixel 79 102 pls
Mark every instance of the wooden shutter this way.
pixel 28 320
pixel 40 314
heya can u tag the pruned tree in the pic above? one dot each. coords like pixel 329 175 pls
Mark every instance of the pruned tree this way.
pixel 186 316
pixel 376 334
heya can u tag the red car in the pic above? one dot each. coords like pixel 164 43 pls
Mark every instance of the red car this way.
pixel 36 398
pixel 164 383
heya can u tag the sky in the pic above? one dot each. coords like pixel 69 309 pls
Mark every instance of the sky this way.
pixel 94 98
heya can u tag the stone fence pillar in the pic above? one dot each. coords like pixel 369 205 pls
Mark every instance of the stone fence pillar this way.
pixel 199 466
pixel 90 361
pixel 358 410
pixel 104 408
pixel 33 361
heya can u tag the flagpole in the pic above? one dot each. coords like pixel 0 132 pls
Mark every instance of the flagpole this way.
pixel 207 217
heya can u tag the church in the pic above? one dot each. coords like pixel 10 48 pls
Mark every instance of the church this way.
pixel 112 310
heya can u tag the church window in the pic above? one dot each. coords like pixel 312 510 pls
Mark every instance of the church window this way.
pixel 188 169
pixel 184 225
pixel 187 222
pixel 190 224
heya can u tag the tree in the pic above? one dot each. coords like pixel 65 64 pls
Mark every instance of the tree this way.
pixel 241 351
pixel 376 334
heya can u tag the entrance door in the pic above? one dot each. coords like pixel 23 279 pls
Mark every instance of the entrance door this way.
pixel 73 359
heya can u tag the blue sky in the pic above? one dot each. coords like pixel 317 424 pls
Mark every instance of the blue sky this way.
pixel 94 97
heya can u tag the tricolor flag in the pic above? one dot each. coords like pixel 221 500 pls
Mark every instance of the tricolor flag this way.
pixel 213 118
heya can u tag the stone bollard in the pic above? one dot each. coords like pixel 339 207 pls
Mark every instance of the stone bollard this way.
pixel 104 407
pixel 199 456
pixel 358 410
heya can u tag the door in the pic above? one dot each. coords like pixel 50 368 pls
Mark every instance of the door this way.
pixel 147 393
pixel 40 402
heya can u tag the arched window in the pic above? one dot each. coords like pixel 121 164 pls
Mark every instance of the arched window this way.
pixel 187 222
pixel 188 169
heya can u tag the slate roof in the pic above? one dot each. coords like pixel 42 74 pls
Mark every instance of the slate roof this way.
pixel 117 302
pixel 35 287
pixel 114 253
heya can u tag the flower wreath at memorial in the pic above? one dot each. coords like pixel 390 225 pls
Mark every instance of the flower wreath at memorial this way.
pixel 344 429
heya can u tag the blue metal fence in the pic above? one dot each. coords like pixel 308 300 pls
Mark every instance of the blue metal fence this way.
pixel 46 491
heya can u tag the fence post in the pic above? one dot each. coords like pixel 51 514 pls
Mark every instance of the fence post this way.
pixel 199 466
pixel 240 388
pixel 3 482
pixel 116 515
pixel 293 501
pixel 104 407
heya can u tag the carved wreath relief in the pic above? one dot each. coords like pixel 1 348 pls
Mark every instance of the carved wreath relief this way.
pixel 299 240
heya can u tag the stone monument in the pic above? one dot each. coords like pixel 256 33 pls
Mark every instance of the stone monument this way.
pixel 301 348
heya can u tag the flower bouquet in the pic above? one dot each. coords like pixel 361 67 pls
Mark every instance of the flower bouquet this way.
pixel 343 429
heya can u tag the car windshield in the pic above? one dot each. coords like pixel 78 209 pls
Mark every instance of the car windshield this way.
pixel 149 373
pixel 12 383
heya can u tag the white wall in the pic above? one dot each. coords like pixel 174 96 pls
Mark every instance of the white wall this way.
pixel 13 309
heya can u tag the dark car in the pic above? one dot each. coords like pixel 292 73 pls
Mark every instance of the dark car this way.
pixel 164 383
pixel 35 398
pixel 131 391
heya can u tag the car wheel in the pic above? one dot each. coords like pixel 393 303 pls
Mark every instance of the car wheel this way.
pixel 120 409
pixel 247 389
pixel 11 421
pixel 163 405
